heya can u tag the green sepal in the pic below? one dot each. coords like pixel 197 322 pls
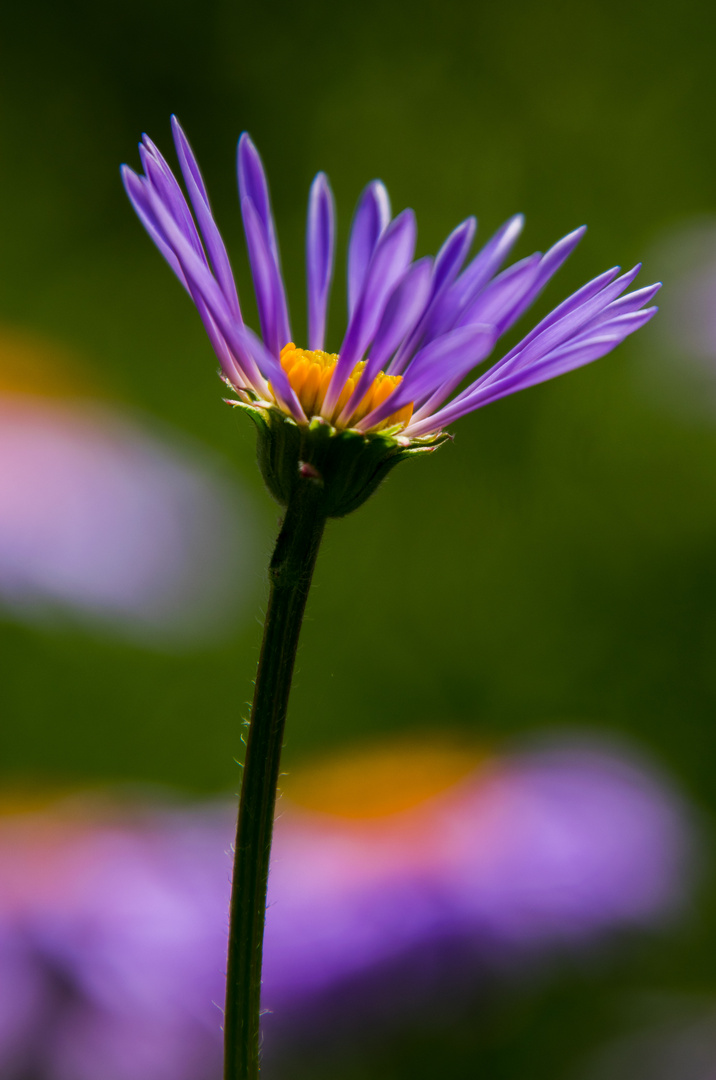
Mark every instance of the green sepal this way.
pixel 347 464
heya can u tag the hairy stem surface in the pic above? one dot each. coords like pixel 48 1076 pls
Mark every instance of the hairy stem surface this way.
pixel 290 573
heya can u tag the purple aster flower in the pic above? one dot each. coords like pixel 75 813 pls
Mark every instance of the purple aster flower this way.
pixel 330 426
pixel 416 329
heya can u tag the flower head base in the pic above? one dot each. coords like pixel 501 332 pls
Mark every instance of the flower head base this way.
pixel 416 329
pixel 346 465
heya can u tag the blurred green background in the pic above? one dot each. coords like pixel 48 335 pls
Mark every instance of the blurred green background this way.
pixel 553 567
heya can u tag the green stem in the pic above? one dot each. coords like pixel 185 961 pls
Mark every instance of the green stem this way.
pixel 290 573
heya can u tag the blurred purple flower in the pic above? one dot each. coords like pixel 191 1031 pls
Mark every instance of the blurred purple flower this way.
pixel 114 525
pixel 527 853
pixel 113 924
pixel 416 330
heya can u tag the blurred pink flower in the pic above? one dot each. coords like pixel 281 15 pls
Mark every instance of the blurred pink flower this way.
pixel 115 525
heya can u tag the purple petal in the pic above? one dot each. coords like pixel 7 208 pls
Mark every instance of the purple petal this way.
pixel 205 290
pixel 369 221
pixel 551 262
pixel 567 327
pixel 320 240
pixel 200 201
pixel 267 284
pixel 452 254
pixel 134 187
pixel 484 343
pixel 406 305
pixel 392 255
pixel 230 364
pixel 629 303
pixel 448 304
pixel 160 177
pixel 270 367
pixel 448 262
pixel 574 353
pixel 486 263
pixel 447 359
pixel 253 190
pixel 579 297
pixel 404 308
pixel 620 325
pixel 137 190
pixel 496 303
pixel 253 185
pixel 188 159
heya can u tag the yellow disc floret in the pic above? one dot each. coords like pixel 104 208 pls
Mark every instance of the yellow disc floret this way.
pixel 310 372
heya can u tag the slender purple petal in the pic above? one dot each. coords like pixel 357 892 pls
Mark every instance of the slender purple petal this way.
pixel 488 261
pixel 369 221
pixel 402 311
pixel 483 346
pixel 567 357
pixel 200 201
pixel 266 283
pixel 566 327
pixel 253 185
pixel 449 260
pixel 446 359
pixel 160 177
pixel 451 297
pixel 620 326
pixel 270 368
pixel 551 262
pixel 134 187
pixel 495 303
pixel 253 190
pixel 320 244
pixel 448 308
pixel 392 255
pixel 631 302
pixel 220 321
pixel 187 158
pixel 137 190
pixel 202 283
pixel 406 305
pixel 575 300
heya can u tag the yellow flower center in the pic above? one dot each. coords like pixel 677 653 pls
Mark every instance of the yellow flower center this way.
pixel 309 373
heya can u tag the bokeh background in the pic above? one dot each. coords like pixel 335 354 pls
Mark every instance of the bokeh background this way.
pixel 552 570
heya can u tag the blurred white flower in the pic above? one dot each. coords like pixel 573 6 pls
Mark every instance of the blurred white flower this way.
pixel 679 349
